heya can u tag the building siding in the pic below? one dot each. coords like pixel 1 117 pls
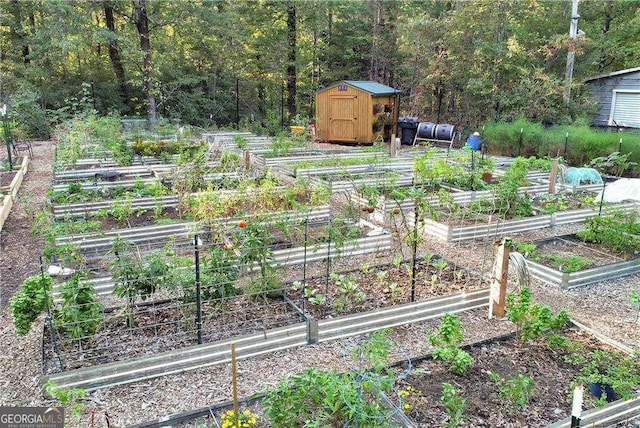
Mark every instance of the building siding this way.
pixel 602 89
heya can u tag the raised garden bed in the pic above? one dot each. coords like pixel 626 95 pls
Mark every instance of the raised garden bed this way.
pixel 485 226
pixel 11 182
pixel 557 255
pixel 489 397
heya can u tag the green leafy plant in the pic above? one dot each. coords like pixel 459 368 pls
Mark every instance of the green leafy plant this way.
pixel 614 164
pixel 70 398
pixel 33 297
pixel 566 264
pixel 348 292
pixel 327 399
pixel 79 314
pixel 447 342
pixel 516 390
pixel 532 320
pixel 634 298
pixel 619 232
pixel 454 405
pixel 612 368
pixel 136 275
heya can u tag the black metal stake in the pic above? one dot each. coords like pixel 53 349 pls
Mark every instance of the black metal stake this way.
pixel 566 143
pixel 304 266
pixel 520 142
pixel 604 185
pixel 198 291
pixel 326 284
pixel 48 319
pixel 414 244
pixel 7 134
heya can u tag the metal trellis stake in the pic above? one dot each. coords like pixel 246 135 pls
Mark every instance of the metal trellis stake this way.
pixel 7 133
pixel 304 265
pixel 48 319
pixel 198 290
pixel 414 244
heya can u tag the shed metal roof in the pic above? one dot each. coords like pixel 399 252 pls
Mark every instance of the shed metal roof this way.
pixel 615 73
pixel 374 88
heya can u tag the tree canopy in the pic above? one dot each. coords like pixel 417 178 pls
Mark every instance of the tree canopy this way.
pixel 220 62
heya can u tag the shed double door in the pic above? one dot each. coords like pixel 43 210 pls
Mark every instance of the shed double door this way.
pixel 342 118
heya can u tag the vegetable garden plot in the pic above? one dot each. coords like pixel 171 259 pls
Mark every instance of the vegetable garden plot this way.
pixel 606 248
pixel 513 381
pixel 161 326
pixel 374 287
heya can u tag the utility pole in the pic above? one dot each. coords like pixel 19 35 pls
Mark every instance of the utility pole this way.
pixel 573 33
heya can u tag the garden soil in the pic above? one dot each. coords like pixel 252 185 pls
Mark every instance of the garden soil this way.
pixel 604 308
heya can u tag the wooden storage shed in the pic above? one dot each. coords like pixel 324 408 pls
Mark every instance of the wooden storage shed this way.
pixel 618 95
pixel 356 111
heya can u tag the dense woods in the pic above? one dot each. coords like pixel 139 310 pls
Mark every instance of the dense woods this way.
pixel 222 62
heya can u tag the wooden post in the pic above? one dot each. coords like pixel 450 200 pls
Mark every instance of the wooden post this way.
pixel 247 161
pixel 553 177
pixel 498 286
pixel 234 380
pixel 392 146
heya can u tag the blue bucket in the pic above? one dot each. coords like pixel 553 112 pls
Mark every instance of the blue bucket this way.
pixel 474 141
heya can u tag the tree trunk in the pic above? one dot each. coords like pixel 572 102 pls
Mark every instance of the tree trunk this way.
pixel 114 53
pixel 142 24
pixel 17 33
pixel 291 58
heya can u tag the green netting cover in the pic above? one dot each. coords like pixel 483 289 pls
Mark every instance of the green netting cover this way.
pixel 578 176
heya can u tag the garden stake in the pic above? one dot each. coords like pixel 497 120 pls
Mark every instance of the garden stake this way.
pixel 520 142
pixel 234 381
pixel 304 264
pixel 48 320
pixel 553 176
pixel 577 407
pixel 326 281
pixel 604 184
pixel 414 245
pixel 198 291
pixel 497 302
pixel 566 141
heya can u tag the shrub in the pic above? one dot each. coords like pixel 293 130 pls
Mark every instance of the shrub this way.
pixel 29 302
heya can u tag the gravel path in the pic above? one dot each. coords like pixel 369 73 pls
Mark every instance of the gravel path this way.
pixel 604 307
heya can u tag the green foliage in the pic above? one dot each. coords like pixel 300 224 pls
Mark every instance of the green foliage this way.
pixel 618 232
pixel 79 314
pixel 325 398
pixel 634 299
pixel 532 320
pixel 516 390
pixel 614 164
pixel 218 274
pixel 70 399
pixel 605 367
pixel 447 342
pixel 137 275
pixel 33 297
pixel 155 148
pixel 566 264
pixel 509 201
pixel 349 295
pixel 584 144
pixel 454 405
